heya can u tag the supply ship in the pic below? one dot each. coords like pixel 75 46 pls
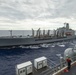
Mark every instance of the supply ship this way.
pixel 60 34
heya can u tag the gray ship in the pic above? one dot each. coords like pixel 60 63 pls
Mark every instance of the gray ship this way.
pixel 61 34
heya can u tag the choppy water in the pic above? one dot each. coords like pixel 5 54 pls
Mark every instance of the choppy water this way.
pixel 9 58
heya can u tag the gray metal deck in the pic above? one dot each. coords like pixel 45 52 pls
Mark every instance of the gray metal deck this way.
pixel 57 70
pixel 51 71
pixel 71 72
pixel 40 71
pixel 46 71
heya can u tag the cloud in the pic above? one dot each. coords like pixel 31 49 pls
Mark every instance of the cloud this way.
pixel 17 14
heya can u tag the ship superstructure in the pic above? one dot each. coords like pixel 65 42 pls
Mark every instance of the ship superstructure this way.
pixel 66 31
pixel 60 32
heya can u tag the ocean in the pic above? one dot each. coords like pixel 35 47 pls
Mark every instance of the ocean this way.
pixel 20 32
pixel 10 57
pixel 15 32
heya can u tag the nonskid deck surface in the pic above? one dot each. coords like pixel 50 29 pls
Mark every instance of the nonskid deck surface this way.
pixel 43 71
pixel 71 72
pixel 47 71
pixel 64 70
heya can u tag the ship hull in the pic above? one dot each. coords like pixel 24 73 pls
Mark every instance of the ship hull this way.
pixel 8 42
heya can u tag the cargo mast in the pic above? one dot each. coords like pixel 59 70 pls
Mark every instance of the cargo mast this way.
pixel 10 33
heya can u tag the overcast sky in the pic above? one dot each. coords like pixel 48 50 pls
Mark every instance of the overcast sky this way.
pixel 44 14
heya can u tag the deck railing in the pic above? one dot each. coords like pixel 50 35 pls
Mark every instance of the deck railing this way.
pixel 58 67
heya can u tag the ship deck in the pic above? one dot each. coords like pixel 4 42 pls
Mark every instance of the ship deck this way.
pixel 48 71
pixel 42 71
pixel 71 72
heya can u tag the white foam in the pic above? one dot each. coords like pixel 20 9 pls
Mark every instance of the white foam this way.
pixel 61 45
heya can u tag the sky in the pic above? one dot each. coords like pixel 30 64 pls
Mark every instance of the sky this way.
pixel 44 14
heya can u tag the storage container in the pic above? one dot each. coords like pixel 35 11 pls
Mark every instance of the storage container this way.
pixel 24 68
pixel 40 62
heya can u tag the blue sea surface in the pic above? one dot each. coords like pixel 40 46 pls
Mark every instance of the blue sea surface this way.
pixel 9 58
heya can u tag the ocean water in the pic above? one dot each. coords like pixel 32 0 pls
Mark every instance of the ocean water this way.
pixel 15 32
pixel 10 57
pixel 19 32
